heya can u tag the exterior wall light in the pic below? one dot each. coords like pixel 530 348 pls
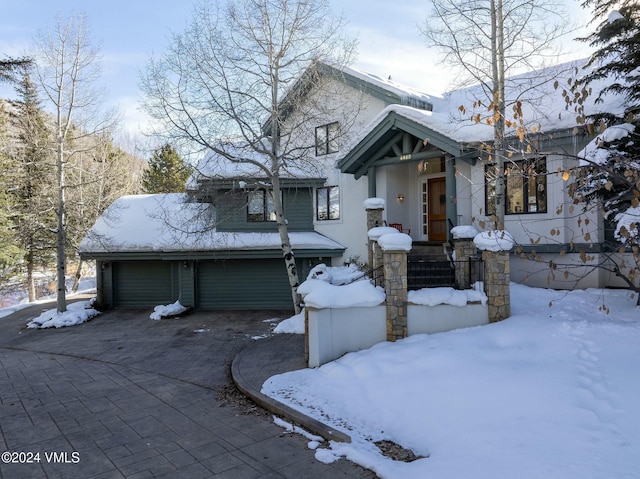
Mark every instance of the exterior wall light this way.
pixel 400 197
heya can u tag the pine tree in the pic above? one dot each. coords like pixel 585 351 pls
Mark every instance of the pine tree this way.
pixel 615 60
pixel 10 253
pixel 610 179
pixel 33 214
pixel 167 172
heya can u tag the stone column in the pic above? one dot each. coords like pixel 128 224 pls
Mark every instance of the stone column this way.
pixel 374 208
pixel 465 249
pixel 395 285
pixel 496 284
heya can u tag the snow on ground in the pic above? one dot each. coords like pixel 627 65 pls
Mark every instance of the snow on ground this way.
pixel 167 310
pixel 76 313
pixel 551 392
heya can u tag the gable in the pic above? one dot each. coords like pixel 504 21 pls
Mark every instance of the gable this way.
pixel 394 137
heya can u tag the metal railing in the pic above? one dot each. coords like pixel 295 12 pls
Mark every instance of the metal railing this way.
pixel 434 274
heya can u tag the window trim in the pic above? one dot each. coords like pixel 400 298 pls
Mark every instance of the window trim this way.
pixel 328 144
pixel 490 185
pixel 327 205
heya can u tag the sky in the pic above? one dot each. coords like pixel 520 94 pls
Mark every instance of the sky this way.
pixel 129 32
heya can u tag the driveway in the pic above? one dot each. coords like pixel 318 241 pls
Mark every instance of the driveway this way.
pixel 125 396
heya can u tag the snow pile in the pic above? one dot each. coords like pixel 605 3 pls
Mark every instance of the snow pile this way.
pixel 374 233
pixel 496 240
pixel 292 325
pixel 464 232
pixel 320 294
pixel 454 297
pixel 76 313
pixel 374 204
pixel 168 310
pixel 335 274
pixel 395 242
pixel 549 392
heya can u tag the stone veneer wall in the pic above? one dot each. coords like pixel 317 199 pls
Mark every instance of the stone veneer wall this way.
pixel 374 219
pixel 395 285
pixel 496 284
pixel 465 249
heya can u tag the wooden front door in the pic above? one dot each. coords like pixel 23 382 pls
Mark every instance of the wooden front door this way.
pixel 434 209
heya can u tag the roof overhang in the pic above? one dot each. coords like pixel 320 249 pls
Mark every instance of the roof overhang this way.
pixel 397 139
pixel 209 255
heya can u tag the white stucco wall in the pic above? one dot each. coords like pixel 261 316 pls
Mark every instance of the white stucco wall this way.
pixel 334 332
pixel 444 317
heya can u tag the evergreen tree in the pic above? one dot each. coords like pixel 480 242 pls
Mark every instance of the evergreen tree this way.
pixel 33 214
pixel 10 253
pixel 615 60
pixel 609 176
pixel 167 172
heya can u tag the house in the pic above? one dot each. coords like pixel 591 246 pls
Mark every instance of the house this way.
pixel 216 246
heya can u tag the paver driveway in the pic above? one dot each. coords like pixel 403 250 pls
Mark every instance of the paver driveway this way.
pixel 126 396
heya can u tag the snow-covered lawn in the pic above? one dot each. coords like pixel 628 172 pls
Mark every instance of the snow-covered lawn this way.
pixel 551 392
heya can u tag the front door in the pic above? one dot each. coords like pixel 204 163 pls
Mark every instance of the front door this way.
pixel 434 209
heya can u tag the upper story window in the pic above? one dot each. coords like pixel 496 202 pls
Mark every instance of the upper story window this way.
pixel 328 203
pixel 525 187
pixel 260 206
pixel 327 139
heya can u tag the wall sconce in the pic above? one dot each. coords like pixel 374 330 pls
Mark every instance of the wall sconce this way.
pixel 400 197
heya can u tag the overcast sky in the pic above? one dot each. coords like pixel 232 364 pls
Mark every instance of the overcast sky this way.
pixel 129 31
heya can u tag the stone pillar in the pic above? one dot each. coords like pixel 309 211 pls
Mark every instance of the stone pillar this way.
pixel 395 285
pixel 374 207
pixel 496 284
pixel 464 249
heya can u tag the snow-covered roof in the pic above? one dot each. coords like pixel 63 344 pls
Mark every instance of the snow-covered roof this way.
pixel 172 223
pixel 407 95
pixel 214 166
pixel 543 106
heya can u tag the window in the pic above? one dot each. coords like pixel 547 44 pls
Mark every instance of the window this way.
pixel 525 187
pixel 328 203
pixel 327 139
pixel 260 206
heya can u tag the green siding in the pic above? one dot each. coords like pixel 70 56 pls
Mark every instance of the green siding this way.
pixel 144 283
pixel 231 211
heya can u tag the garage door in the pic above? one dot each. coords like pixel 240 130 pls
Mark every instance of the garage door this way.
pixel 143 283
pixel 240 284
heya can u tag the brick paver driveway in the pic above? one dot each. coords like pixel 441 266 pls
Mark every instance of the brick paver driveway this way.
pixel 126 396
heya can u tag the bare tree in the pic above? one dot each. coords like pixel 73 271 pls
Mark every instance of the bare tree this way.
pixel 227 85
pixel 488 41
pixel 67 66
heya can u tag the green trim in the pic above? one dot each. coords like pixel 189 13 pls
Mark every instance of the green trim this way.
pixel 208 255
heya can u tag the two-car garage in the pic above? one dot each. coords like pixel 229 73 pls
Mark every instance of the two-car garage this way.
pixel 232 283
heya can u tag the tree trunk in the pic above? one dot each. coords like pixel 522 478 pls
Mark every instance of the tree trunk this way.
pixel 77 276
pixel 31 287
pixel 497 43
pixel 61 262
pixel 287 250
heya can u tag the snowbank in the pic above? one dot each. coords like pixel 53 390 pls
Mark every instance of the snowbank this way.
pixel 320 294
pixel 454 297
pixel 76 313
pixel 168 310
